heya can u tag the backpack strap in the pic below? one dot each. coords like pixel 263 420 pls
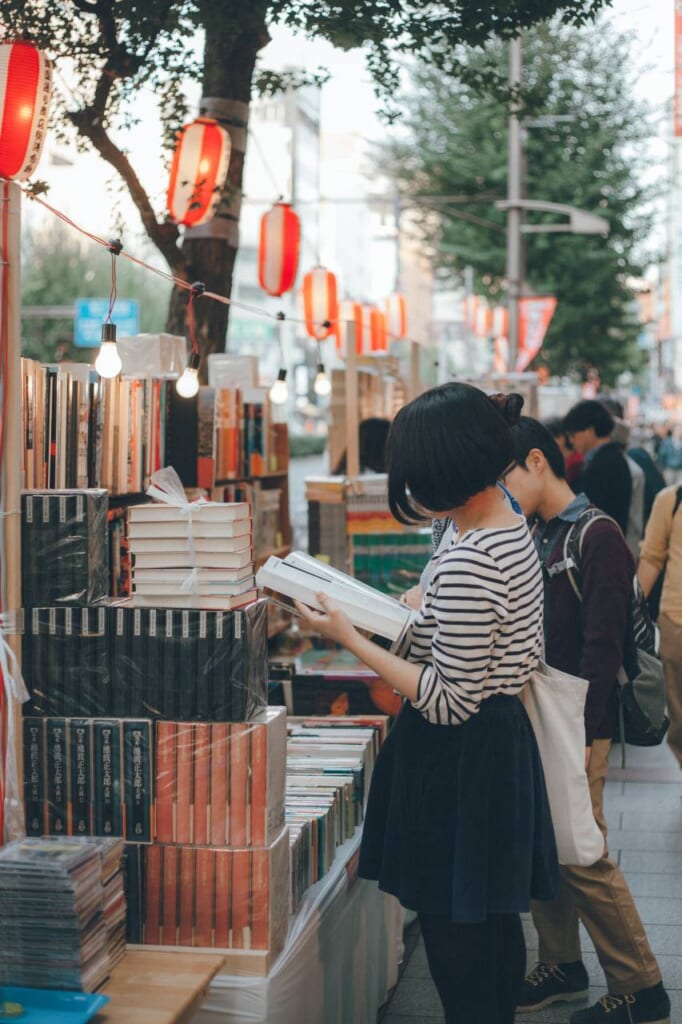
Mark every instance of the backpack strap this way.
pixel 573 547
pixel 678 500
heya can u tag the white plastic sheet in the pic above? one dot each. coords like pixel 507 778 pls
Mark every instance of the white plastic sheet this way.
pixel 340 959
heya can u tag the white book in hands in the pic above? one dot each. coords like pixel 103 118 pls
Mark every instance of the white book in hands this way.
pixel 301 577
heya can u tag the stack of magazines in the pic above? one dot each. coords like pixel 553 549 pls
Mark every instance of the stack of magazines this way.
pixel 53 931
pixel 301 577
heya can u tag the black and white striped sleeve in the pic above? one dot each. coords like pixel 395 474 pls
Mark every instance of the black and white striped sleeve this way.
pixel 466 603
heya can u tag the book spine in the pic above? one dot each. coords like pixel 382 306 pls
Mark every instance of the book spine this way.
pixel 108 810
pixel 35 789
pixel 219 783
pixel 80 737
pixel 201 764
pixel 152 894
pixel 187 896
pixel 166 779
pixel 222 898
pixel 137 773
pixel 241 899
pixel 259 784
pixel 57 777
pixel 134 866
pixel 239 783
pixel 205 896
pixel 260 899
pixel 184 809
pixel 169 920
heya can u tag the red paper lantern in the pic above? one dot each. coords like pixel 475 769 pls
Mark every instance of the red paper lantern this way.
pixel 320 303
pixel 25 89
pixel 198 171
pixel 280 235
pixel 377 331
pixel 396 315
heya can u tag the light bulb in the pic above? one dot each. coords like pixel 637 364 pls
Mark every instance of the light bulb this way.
pixel 322 385
pixel 188 382
pixel 279 392
pixel 108 362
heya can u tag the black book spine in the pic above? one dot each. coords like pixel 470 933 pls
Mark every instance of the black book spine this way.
pixel 107 775
pixel 34 775
pixel 100 676
pixel 57 777
pixel 154 645
pixel 169 698
pixel 200 674
pixel 52 663
pixel 137 771
pixel 71 675
pixel 80 761
pixel 219 685
pixel 134 866
pixel 138 663
pixel 186 683
pixel 51 428
pixel 28 545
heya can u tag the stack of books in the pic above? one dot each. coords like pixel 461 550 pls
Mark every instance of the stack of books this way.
pixel 330 761
pixel 200 556
pixel 54 930
pixel 64 547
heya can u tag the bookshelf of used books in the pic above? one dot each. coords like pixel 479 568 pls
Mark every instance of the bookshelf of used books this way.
pixel 147 739
pixel 381 391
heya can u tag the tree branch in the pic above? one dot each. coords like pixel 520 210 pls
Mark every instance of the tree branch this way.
pixel 163 234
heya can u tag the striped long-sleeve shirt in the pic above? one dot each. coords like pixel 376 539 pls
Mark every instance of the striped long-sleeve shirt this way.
pixel 479 630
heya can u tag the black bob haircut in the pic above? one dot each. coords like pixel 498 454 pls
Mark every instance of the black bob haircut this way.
pixel 530 434
pixel 589 413
pixel 445 446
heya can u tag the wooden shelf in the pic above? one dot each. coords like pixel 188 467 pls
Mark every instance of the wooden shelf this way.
pixel 158 988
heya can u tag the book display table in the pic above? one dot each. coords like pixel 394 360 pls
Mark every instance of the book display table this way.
pixel 147 987
pixel 339 962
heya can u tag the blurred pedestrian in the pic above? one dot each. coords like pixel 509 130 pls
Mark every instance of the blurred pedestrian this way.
pixel 573 460
pixel 670 455
pixel 606 477
pixel 662 551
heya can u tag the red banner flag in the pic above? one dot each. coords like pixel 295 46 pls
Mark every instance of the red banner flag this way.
pixel 535 315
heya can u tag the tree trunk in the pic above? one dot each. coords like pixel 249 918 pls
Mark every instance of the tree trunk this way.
pixel 233 40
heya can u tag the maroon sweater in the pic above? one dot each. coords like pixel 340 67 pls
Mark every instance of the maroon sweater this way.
pixel 586 638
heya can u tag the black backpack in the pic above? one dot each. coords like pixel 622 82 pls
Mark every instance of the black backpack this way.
pixel 642 720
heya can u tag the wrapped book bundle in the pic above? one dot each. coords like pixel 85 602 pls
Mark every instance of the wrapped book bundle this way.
pixel 190 554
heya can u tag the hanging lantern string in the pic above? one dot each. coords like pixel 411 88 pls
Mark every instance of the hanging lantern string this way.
pixel 179 282
pixel 198 288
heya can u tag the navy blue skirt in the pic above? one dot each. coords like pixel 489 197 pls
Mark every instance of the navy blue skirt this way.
pixel 457 820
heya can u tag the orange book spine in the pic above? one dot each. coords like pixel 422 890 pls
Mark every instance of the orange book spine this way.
pixel 187 893
pixel 152 895
pixel 204 901
pixel 183 787
pixel 259 785
pixel 260 899
pixel 222 898
pixel 164 788
pixel 169 919
pixel 239 783
pixel 219 782
pixel 202 756
pixel 241 899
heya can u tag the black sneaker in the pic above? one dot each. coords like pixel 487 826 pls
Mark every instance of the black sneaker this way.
pixel 648 1006
pixel 553 983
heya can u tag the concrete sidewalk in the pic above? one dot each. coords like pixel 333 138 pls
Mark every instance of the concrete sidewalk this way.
pixel 644 813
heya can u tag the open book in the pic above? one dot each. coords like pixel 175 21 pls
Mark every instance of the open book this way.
pixel 301 576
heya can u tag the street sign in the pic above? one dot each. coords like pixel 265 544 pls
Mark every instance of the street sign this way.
pixel 90 314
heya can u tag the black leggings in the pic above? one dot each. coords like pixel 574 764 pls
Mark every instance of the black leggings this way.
pixel 477 968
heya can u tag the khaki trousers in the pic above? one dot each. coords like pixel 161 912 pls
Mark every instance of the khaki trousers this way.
pixel 671 655
pixel 599 897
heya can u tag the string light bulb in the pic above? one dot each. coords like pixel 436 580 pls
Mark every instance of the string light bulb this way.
pixel 188 383
pixel 108 362
pixel 279 392
pixel 322 385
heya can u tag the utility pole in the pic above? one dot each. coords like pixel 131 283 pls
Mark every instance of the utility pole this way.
pixel 514 171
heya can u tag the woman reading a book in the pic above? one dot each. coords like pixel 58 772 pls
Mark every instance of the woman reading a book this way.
pixel 458 824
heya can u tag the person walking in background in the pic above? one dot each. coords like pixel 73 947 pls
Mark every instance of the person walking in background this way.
pixel 606 478
pixel 457 823
pixel 662 552
pixel 585 637
pixel 670 455
pixel 621 436
pixel 572 459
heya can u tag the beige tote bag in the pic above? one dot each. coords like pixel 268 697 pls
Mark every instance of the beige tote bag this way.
pixel 555 703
